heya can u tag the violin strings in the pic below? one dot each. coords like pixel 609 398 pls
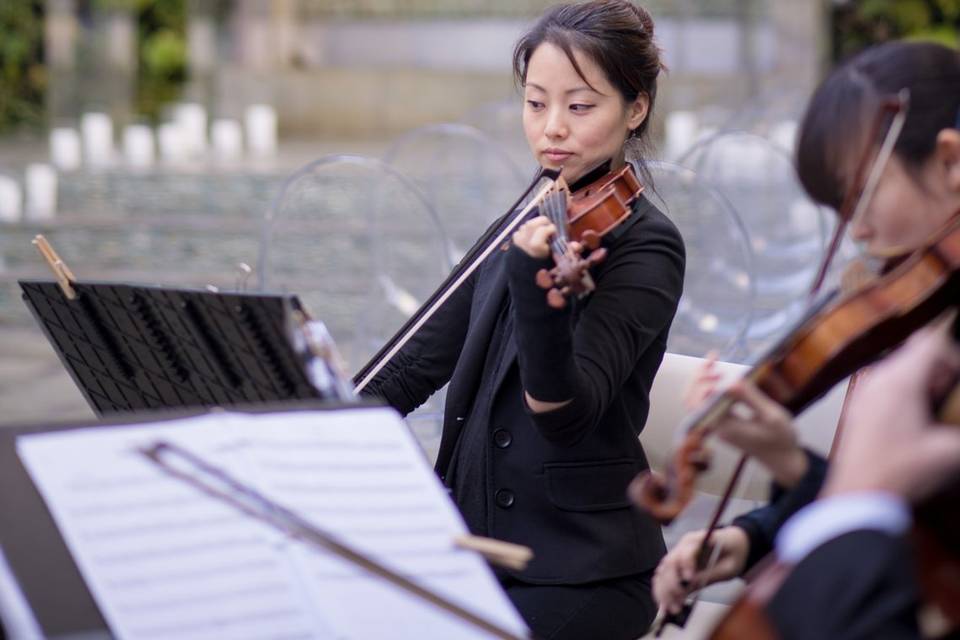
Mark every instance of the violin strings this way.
pixel 548 212
pixel 552 207
pixel 561 223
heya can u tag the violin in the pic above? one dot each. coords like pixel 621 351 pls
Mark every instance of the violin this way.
pixel 584 216
pixel 935 536
pixel 839 335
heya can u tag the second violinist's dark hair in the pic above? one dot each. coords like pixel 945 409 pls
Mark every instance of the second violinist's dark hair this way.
pixel 834 132
pixel 616 34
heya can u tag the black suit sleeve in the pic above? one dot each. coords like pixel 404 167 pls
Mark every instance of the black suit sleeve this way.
pixel 858 586
pixel 638 289
pixel 427 361
pixel 761 525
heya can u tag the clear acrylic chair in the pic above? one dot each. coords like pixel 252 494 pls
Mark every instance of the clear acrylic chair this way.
pixel 718 295
pixel 788 232
pixel 467 176
pixel 363 247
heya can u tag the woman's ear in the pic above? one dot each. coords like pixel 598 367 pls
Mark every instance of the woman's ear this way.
pixel 948 155
pixel 637 111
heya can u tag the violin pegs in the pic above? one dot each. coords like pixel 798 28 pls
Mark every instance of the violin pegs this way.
pixel 701 459
pixel 544 279
pixel 555 299
pixel 598 255
pixel 590 239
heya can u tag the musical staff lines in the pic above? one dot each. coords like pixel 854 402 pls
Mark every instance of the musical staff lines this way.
pixel 164 559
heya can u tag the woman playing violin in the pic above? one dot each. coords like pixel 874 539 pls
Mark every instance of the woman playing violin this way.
pixel 917 193
pixel 544 405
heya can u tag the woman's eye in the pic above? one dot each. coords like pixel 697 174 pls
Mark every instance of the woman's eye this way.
pixel 580 108
pixel 533 104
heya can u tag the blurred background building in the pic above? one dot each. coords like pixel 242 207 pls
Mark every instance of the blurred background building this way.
pixel 378 67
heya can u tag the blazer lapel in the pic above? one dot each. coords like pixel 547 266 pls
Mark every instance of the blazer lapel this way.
pixel 506 360
pixel 489 295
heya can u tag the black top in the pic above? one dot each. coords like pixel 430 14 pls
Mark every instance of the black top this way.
pixel 470 466
pixel 762 524
pixel 556 481
pixel 858 586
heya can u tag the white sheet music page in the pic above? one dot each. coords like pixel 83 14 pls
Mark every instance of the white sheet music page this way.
pixel 363 478
pixel 164 560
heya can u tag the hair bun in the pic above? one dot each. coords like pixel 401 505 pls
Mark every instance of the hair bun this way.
pixel 644 18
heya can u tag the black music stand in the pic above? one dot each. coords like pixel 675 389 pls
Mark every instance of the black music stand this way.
pixel 133 348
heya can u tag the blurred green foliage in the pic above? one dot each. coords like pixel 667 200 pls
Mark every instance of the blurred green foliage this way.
pixel 23 77
pixel 162 68
pixel 859 24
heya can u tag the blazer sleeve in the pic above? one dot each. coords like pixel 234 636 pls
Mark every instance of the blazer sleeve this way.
pixel 761 525
pixel 637 292
pixel 857 586
pixel 427 361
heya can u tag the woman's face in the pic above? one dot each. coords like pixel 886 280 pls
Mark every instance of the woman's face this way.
pixel 908 206
pixel 567 123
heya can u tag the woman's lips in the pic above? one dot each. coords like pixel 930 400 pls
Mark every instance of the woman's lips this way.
pixel 555 156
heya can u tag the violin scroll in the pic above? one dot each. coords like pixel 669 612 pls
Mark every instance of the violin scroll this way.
pixel 666 495
pixel 569 276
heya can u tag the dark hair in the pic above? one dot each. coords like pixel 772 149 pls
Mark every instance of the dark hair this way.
pixel 616 34
pixel 835 129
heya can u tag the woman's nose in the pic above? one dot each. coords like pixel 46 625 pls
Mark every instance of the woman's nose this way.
pixel 556 125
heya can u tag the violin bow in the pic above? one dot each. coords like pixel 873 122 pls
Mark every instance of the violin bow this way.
pixel 852 207
pixel 475 256
pixel 489 241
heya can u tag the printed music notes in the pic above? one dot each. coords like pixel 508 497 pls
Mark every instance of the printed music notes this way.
pixel 163 559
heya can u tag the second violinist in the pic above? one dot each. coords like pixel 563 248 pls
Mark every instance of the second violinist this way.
pixel 545 405
pixel 918 193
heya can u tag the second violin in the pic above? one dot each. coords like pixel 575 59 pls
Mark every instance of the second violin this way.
pixel 837 337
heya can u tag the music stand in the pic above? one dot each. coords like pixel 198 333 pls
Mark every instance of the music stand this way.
pixel 131 348
pixel 38 557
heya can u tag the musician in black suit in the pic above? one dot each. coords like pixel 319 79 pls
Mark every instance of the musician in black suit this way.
pixel 544 405
pixel 855 572
pixel 918 192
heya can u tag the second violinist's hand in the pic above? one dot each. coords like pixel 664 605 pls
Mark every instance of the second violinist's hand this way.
pixel 755 424
pixel 677 574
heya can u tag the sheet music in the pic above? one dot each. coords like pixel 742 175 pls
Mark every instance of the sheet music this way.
pixel 164 560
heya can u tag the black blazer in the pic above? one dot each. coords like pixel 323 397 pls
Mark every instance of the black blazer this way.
pixel 762 524
pixel 558 480
pixel 858 586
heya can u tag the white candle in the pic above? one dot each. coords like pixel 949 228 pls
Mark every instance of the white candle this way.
pixel 97 132
pixel 681 132
pixel 192 120
pixel 65 148
pixel 261 125
pixel 41 191
pixel 11 199
pixel 138 145
pixel 227 137
pixel 173 147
